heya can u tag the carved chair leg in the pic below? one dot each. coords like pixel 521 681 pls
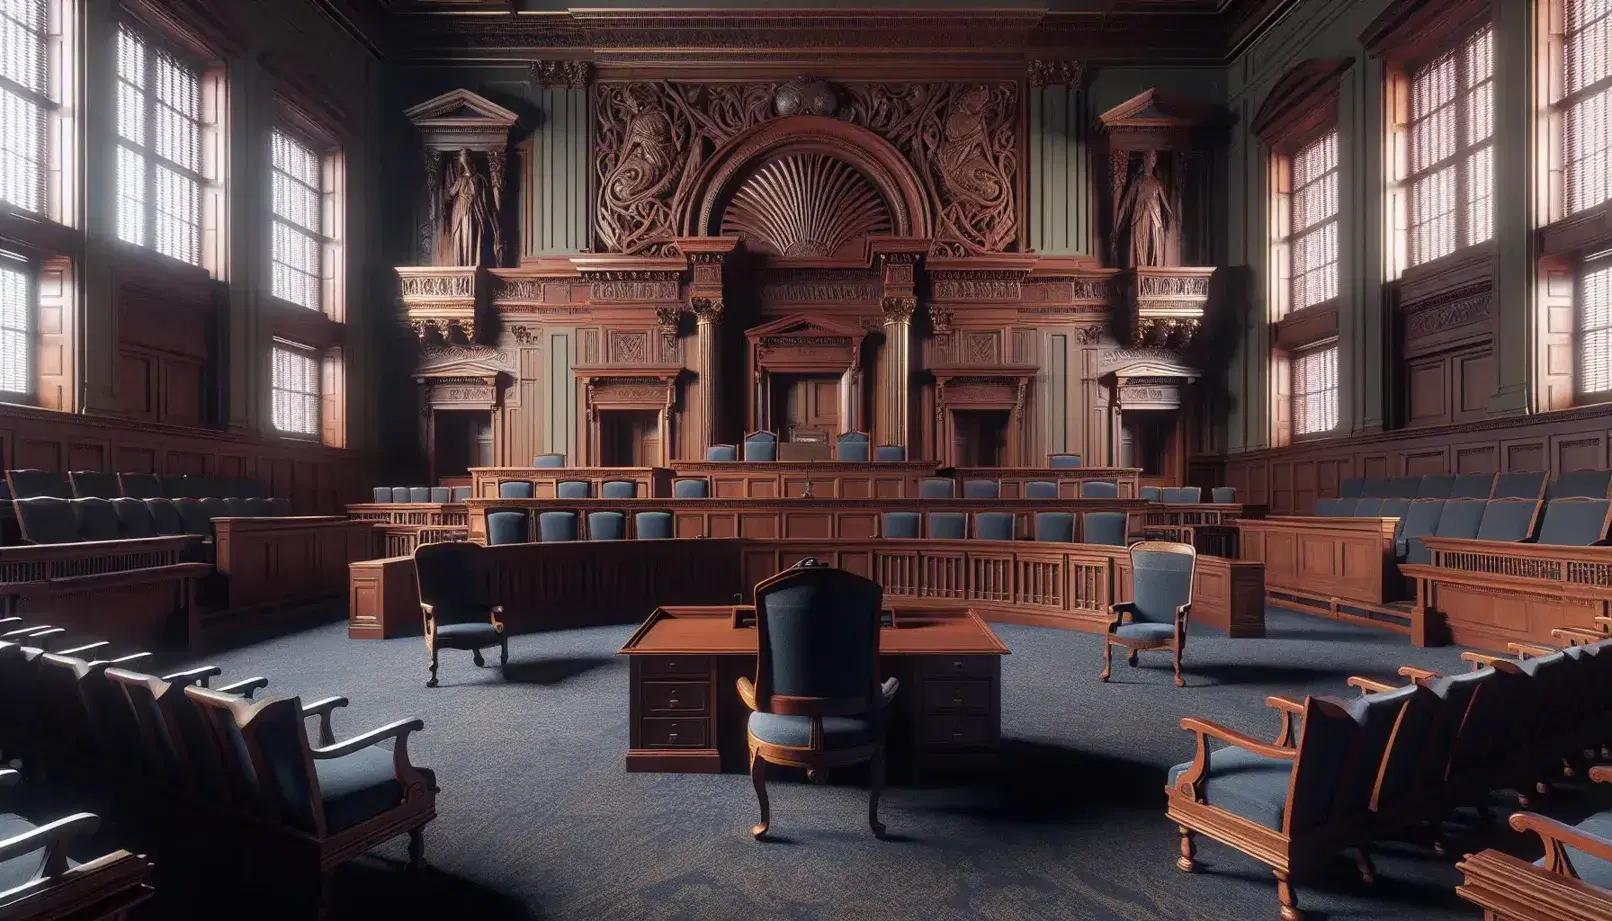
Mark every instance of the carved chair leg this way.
pixel 503 654
pixel 1178 680
pixel 1368 870
pixel 1130 657
pixel 417 848
pixel 1286 898
pixel 1187 862
pixel 323 892
pixel 758 777
pixel 433 681
pixel 1108 660
pixel 875 788
pixel 475 656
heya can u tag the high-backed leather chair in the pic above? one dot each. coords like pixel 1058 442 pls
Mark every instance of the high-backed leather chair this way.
pixel 508 526
pixel 134 518
pixel 1573 522
pixel 817 702
pixel 691 488
pixel 981 489
pixel 889 454
pixel 1111 528
pixel 618 489
pixel 515 489
pixel 1055 526
pixel 420 495
pixel 34 484
pixel 652 525
pixel 935 488
pixel 145 486
pixel 441 494
pixel 452 579
pixel 383 495
pixel 607 526
pixel 1191 494
pixel 96 519
pixel 1099 489
pixel 91 484
pixel 1041 489
pixel 47 520
pixel 573 489
pixel 556 526
pixel 993 526
pixel 1579 484
pixel 947 525
pixel 165 515
pixel 900 525
pixel 851 447
pixel 761 446
pixel 1152 494
pixel 1223 494
pixel 1161 600
pixel 721 453
pixel 460 493
pixel 1063 461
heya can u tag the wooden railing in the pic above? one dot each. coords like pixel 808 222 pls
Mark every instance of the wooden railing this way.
pixel 46 562
pixel 1013 479
pixel 403 539
pixel 451 514
pixel 1325 563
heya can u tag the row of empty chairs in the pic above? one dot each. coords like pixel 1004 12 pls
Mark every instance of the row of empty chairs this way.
pixel 1579 484
pixel 1566 521
pixel 90 484
pixel 421 495
pixel 700 488
pixel 851 447
pixel 1188 494
pixel 49 520
pixel 514 526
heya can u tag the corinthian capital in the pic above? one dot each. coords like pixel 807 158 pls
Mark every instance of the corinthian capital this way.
pixel 707 309
pixel 899 309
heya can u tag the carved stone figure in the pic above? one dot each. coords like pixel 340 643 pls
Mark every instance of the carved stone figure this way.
pixel 470 219
pixel 1142 216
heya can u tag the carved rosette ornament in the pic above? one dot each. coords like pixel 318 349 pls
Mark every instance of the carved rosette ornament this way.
pixel 1045 74
pixel 941 319
pixel 899 309
pixel 806 96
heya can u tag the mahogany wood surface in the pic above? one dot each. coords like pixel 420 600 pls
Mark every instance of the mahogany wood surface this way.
pixel 1510 889
pixel 267 561
pixel 1067 478
pixel 137 607
pixel 1487 594
pixel 829 479
pixel 420 513
pixel 651 481
pixel 1326 560
pixel 686 714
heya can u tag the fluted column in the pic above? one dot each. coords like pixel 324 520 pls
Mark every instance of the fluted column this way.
pixel 707 362
pixel 895 360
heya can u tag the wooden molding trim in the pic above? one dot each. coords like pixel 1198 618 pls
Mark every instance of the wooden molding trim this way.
pixel 1305 98
pixel 1412 28
pixel 1307 327
pixel 1587 232
pixel 201 27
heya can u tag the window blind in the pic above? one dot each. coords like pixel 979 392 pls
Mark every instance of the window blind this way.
pixel 159 149
pixel 1314 238
pixel 1451 150
pixel 23 104
pixel 16 325
pixel 1315 391
pixel 1588 93
pixel 1595 331
pixel 297 233
pixel 295 390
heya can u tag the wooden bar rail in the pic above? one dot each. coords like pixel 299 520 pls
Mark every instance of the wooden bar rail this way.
pixel 420 513
pixel 582 583
pixel 1509 889
pixel 827 479
pixel 1489 593
pixel 285 560
pixel 1012 479
pixel 1326 563
pixel 650 481
pixel 799 518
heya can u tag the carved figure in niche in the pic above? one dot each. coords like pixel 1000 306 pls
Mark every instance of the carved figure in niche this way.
pixel 471 221
pixel 643 169
pixel 1144 212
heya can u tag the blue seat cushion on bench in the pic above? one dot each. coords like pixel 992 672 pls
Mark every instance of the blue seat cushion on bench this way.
pixel 357 787
pixel 468 631
pixel 1244 784
pixel 1145 631
pixel 795 731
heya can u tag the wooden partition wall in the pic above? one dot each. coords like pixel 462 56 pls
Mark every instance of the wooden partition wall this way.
pixel 575 584
pixel 1487 593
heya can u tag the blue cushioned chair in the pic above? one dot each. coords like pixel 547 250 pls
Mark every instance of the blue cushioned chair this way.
pixel 761 446
pixel 1508 519
pixel 96 519
pixel 993 526
pixel 1351 489
pixel 1459 518
pixel 34 484
pixel 817 702
pixel 1435 487
pixel 1170 494
pixel 721 453
pixel 1099 489
pixel 556 526
pixel 279 507
pixel 607 526
pixel 1152 494
pixel 981 489
pixel 134 519
pixel 852 447
pixel 889 454
pixel 214 507
pixel 947 526
pixel 1156 615
pixel 1191 494
pixel 1573 522
pixel 146 486
pixel 453 579
pixel 1403 487
pixel 1110 528
pixel 1519 485
pixel 549 460
pixel 400 494
pixel 1223 494
pixel 47 520
pixel 175 487
pixel 690 489
pixel 935 488
pixel 652 525
pixel 460 493
pixel 260 508
pixel 573 489
pixel 420 495
pixel 237 508
pixel 39 877
pixel 900 524
pixel 515 489
pixel 508 526
pixel 1330 508
pixel 1376 487
pixel 1369 507
pixel 1579 484
pixel 328 804
pixel 618 489
pixel 440 494
pixel 1419 520
pixel 194 515
pixel 383 494
pixel 1055 526
pixel 1063 461
pixel 1040 489
pixel 166 517
pixel 91 484
pixel 1581 854
pixel 1472 486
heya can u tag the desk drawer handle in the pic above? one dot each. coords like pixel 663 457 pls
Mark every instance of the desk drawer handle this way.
pixel 672 735
pixel 957 664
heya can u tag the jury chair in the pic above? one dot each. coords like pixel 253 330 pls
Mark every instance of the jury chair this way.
pixel 817 702
pixel 453 600
pixel 1161 601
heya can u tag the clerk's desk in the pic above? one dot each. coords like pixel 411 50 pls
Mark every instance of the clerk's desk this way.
pixel 686 716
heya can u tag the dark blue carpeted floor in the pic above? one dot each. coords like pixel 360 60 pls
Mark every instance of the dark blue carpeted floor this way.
pixel 538 819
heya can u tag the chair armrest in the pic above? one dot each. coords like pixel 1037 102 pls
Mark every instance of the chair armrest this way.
pixel 1207 729
pixel 887 691
pixel 1481 659
pixel 39 637
pixel 133 657
pixel 1417 674
pixel 1290 708
pixel 1601 773
pixel 1524 650
pixel 196 676
pixel 747 692
pixel 323 709
pixel 1581 634
pixel 1183 612
pixel 244 688
pixel 53 838
pixel 25 632
pixel 1369 686
pixel 495 612
pixel 1558 837
pixel 398 730
pixel 1118 610
pixel 87 647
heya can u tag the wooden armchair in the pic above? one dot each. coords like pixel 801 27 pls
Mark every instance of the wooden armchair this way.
pixel 453 600
pixel 310 809
pixel 1583 851
pixel 1156 617
pixel 817 702
pixel 1287 805
pixel 43 883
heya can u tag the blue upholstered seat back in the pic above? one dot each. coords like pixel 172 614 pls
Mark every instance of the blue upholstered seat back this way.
pixel 441 494
pixel 851 447
pixel 259 508
pixel 1330 508
pixel 89 484
pixel 761 446
pixel 1170 494
pixel 1403 487
pixel 195 517
pixel 1455 693
pixel 32 484
pixel 1507 519
pixel 1369 507
pixel 1223 494
pixel 607 526
pixel 1350 489
pixel 1377 714
pixel 1421 518
pixel 1580 484
pixel 166 516
pixel 214 507
pixel 237 508
pixel 1040 489
pixel 721 453
pixel 901 524
pixel 1152 494
pixel 419 494
pixel 134 518
pixel 279 507
pixel 980 489
pixel 1394 508
pixel 1375 487
pixel 690 489
pixel 1573 522
pixel 508 526
pixel 1055 526
pixel 1405 766
pixel 1104 528
pixel 993 526
pixel 549 460
pixel 286 786
pixel 515 489
pixel 1099 489
pixel 1191 494
pixel 820 632
pixel 400 494
pixel 556 526
pixel 1472 486
pixel 174 487
pixel 573 489
pixel 1519 485
pixel 1326 743
pixel 96 519
pixel 948 525
pixel 619 489
pixel 453 579
pixel 935 488
pixel 460 493
pixel 889 454
pixel 653 525
pixel 383 494
pixel 47 520
pixel 1435 487
pixel 143 485
pixel 1461 518
pixel 1161 581
pixel 1063 461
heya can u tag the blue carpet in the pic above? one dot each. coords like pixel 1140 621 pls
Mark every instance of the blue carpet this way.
pixel 538 819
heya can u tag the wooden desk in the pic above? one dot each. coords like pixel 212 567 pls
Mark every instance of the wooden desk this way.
pixel 686 715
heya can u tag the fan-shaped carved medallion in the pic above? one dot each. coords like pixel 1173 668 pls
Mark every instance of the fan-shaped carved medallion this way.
pixel 806 205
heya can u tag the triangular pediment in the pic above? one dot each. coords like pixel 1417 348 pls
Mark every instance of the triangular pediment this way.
pixel 461 108
pixel 806 328
pixel 1155 108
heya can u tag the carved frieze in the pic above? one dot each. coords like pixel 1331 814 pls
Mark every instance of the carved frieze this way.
pixel 572 75
pixel 467 358
pixel 823 287
pixel 631 286
pixel 977 286
pixel 1172 285
pixel 1044 74
pixel 437 285
pixel 1458 308
pixel 518 289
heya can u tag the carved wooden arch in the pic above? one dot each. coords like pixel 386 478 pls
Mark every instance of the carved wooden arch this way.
pixel 876 159
pixel 1302 99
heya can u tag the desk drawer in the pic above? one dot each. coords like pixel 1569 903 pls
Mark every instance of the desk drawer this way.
pixel 965 695
pixel 958 666
pixel 957 729
pixel 675 696
pixel 661 732
pixel 677 666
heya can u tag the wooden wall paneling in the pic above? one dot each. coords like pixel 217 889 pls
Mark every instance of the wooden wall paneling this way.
pixel 1555 361
pixel 1304 484
pixel 1523 455
pixel 1579 451
pixel 1476 458
pixel 1376 465
pixel 1474 384
pixel 1426 462
pixel 54 349
pixel 1428 386
pixel 1281 491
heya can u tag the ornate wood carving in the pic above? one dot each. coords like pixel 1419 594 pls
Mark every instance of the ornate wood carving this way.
pixel 572 75
pixel 807 205
pixel 1044 74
